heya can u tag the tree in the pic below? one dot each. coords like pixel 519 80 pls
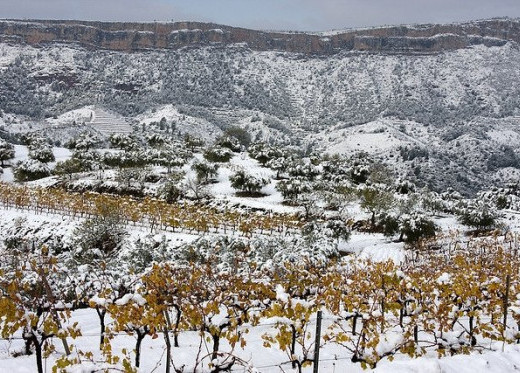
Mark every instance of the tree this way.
pixel 193 142
pixel 205 171
pixel 479 215
pixel 293 187
pixel 229 142
pixel 416 226
pixel 173 154
pixel 278 164
pixel 6 152
pixel 172 190
pixel 31 169
pixel 84 142
pixel 196 189
pixel 375 199
pixel 29 303
pixel 132 177
pixel 42 152
pixel 264 153
pixel 123 141
pixel 241 134
pixel 250 184
pixel 218 154
pixel 99 237
pixel 69 167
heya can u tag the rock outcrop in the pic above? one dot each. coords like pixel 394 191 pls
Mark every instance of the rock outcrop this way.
pixel 131 37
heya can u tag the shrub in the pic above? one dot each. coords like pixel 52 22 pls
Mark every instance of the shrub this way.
pixel 415 227
pixel 218 154
pixel 31 169
pixel 70 167
pixel 241 135
pixel 292 188
pixel 240 180
pixel 98 237
pixel 6 151
pixel 479 215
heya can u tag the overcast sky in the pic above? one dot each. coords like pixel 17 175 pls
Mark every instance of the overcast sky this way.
pixel 305 15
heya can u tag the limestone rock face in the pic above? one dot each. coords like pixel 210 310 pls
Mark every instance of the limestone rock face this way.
pixel 132 37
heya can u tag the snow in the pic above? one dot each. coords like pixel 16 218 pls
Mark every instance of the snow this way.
pixel 136 298
pixel 281 295
pixel 375 137
pixel 272 200
pixel 444 279
pixel 263 359
pixel 373 246
pixel 198 127
pixel 82 115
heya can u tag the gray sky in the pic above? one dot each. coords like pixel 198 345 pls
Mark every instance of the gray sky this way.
pixel 305 15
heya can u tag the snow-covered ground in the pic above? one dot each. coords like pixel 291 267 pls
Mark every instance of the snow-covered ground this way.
pixel 264 360
pixel 21 154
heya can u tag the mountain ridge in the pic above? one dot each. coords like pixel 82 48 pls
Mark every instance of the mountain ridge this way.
pixel 133 37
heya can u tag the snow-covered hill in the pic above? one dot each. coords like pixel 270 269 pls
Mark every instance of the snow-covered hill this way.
pixel 450 108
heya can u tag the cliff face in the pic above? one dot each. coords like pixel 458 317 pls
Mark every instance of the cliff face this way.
pixel 131 37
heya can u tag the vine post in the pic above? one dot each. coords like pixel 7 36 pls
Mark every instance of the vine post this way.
pixel 317 343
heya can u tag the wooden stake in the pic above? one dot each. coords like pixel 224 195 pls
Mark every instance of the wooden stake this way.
pixel 317 343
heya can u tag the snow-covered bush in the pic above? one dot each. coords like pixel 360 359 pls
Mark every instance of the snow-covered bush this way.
pixel 245 182
pixel 31 169
pixel 359 174
pixel 42 153
pixel 375 199
pixel 69 167
pixel 132 177
pixel 320 242
pixel 416 226
pixel 98 237
pixel 264 153
pixel 303 169
pixel 279 164
pixel 479 215
pixel 6 152
pixel 173 189
pixel 144 251
pixel 126 159
pixel 229 142
pixel 91 159
pixel 336 168
pixel 155 139
pixel 218 154
pixel 292 188
pixel 123 141
pixel 84 141
pixel 171 155
pixel 240 134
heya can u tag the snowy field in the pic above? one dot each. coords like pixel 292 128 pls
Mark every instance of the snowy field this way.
pixel 261 359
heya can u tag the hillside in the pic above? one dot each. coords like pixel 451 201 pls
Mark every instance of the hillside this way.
pixel 441 91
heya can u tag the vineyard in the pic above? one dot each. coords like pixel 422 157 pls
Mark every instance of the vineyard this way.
pixel 458 299
pixel 148 212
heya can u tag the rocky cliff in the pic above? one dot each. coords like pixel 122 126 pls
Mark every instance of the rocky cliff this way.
pixel 131 37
